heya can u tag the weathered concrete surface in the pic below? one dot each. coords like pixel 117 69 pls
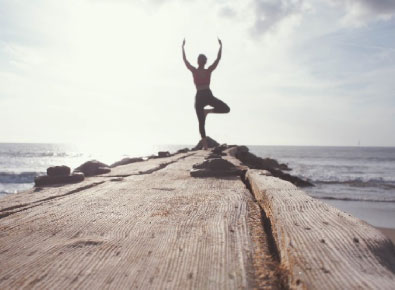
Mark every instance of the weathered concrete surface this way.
pixel 321 247
pixel 145 225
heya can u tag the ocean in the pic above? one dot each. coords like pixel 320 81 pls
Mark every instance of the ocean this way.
pixel 358 180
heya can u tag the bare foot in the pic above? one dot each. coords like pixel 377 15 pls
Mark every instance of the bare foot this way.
pixel 204 141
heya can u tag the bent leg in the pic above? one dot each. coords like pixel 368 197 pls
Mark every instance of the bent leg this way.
pixel 219 106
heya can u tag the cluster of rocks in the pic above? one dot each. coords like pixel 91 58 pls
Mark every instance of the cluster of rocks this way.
pixel 215 166
pixel 58 175
pixel 92 168
pixel 252 161
pixel 183 150
pixel 62 174
pixel 211 143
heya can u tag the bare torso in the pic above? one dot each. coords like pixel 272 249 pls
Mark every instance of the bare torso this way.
pixel 201 78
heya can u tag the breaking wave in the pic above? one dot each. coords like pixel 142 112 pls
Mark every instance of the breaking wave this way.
pixel 354 199
pixel 39 154
pixel 380 183
pixel 22 177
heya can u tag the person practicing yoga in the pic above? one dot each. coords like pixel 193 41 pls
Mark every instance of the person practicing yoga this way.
pixel 204 96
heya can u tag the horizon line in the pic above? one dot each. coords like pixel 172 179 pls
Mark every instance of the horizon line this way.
pixel 179 144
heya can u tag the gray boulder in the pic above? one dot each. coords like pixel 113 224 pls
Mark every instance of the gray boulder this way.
pixel 219 149
pixel 127 160
pixel 162 154
pixel 62 170
pixel 93 167
pixel 183 150
pixel 215 167
pixel 214 164
pixel 46 180
pixel 273 166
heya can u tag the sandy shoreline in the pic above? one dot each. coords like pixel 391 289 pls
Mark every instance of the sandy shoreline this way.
pixel 390 233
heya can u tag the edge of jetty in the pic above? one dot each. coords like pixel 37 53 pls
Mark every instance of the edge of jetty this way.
pixel 249 231
pixel 319 246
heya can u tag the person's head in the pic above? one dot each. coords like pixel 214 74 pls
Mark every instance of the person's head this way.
pixel 202 59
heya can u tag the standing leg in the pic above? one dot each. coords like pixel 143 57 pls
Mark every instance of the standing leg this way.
pixel 200 112
pixel 218 107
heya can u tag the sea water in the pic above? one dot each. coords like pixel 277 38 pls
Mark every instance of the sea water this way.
pixel 357 180
pixel 340 173
pixel 360 180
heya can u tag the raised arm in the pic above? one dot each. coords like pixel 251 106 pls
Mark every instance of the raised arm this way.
pixel 215 63
pixel 189 66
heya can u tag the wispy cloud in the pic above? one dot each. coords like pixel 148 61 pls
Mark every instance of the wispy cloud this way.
pixel 227 11
pixel 271 13
pixel 362 12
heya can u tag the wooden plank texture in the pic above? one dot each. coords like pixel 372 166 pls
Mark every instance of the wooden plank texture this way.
pixel 36 196
pixel 320 246
pixel 163 230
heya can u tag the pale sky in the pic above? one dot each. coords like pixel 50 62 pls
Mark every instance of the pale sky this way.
pixel 312 72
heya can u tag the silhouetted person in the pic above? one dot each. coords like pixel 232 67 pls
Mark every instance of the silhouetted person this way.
pixel 204 96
